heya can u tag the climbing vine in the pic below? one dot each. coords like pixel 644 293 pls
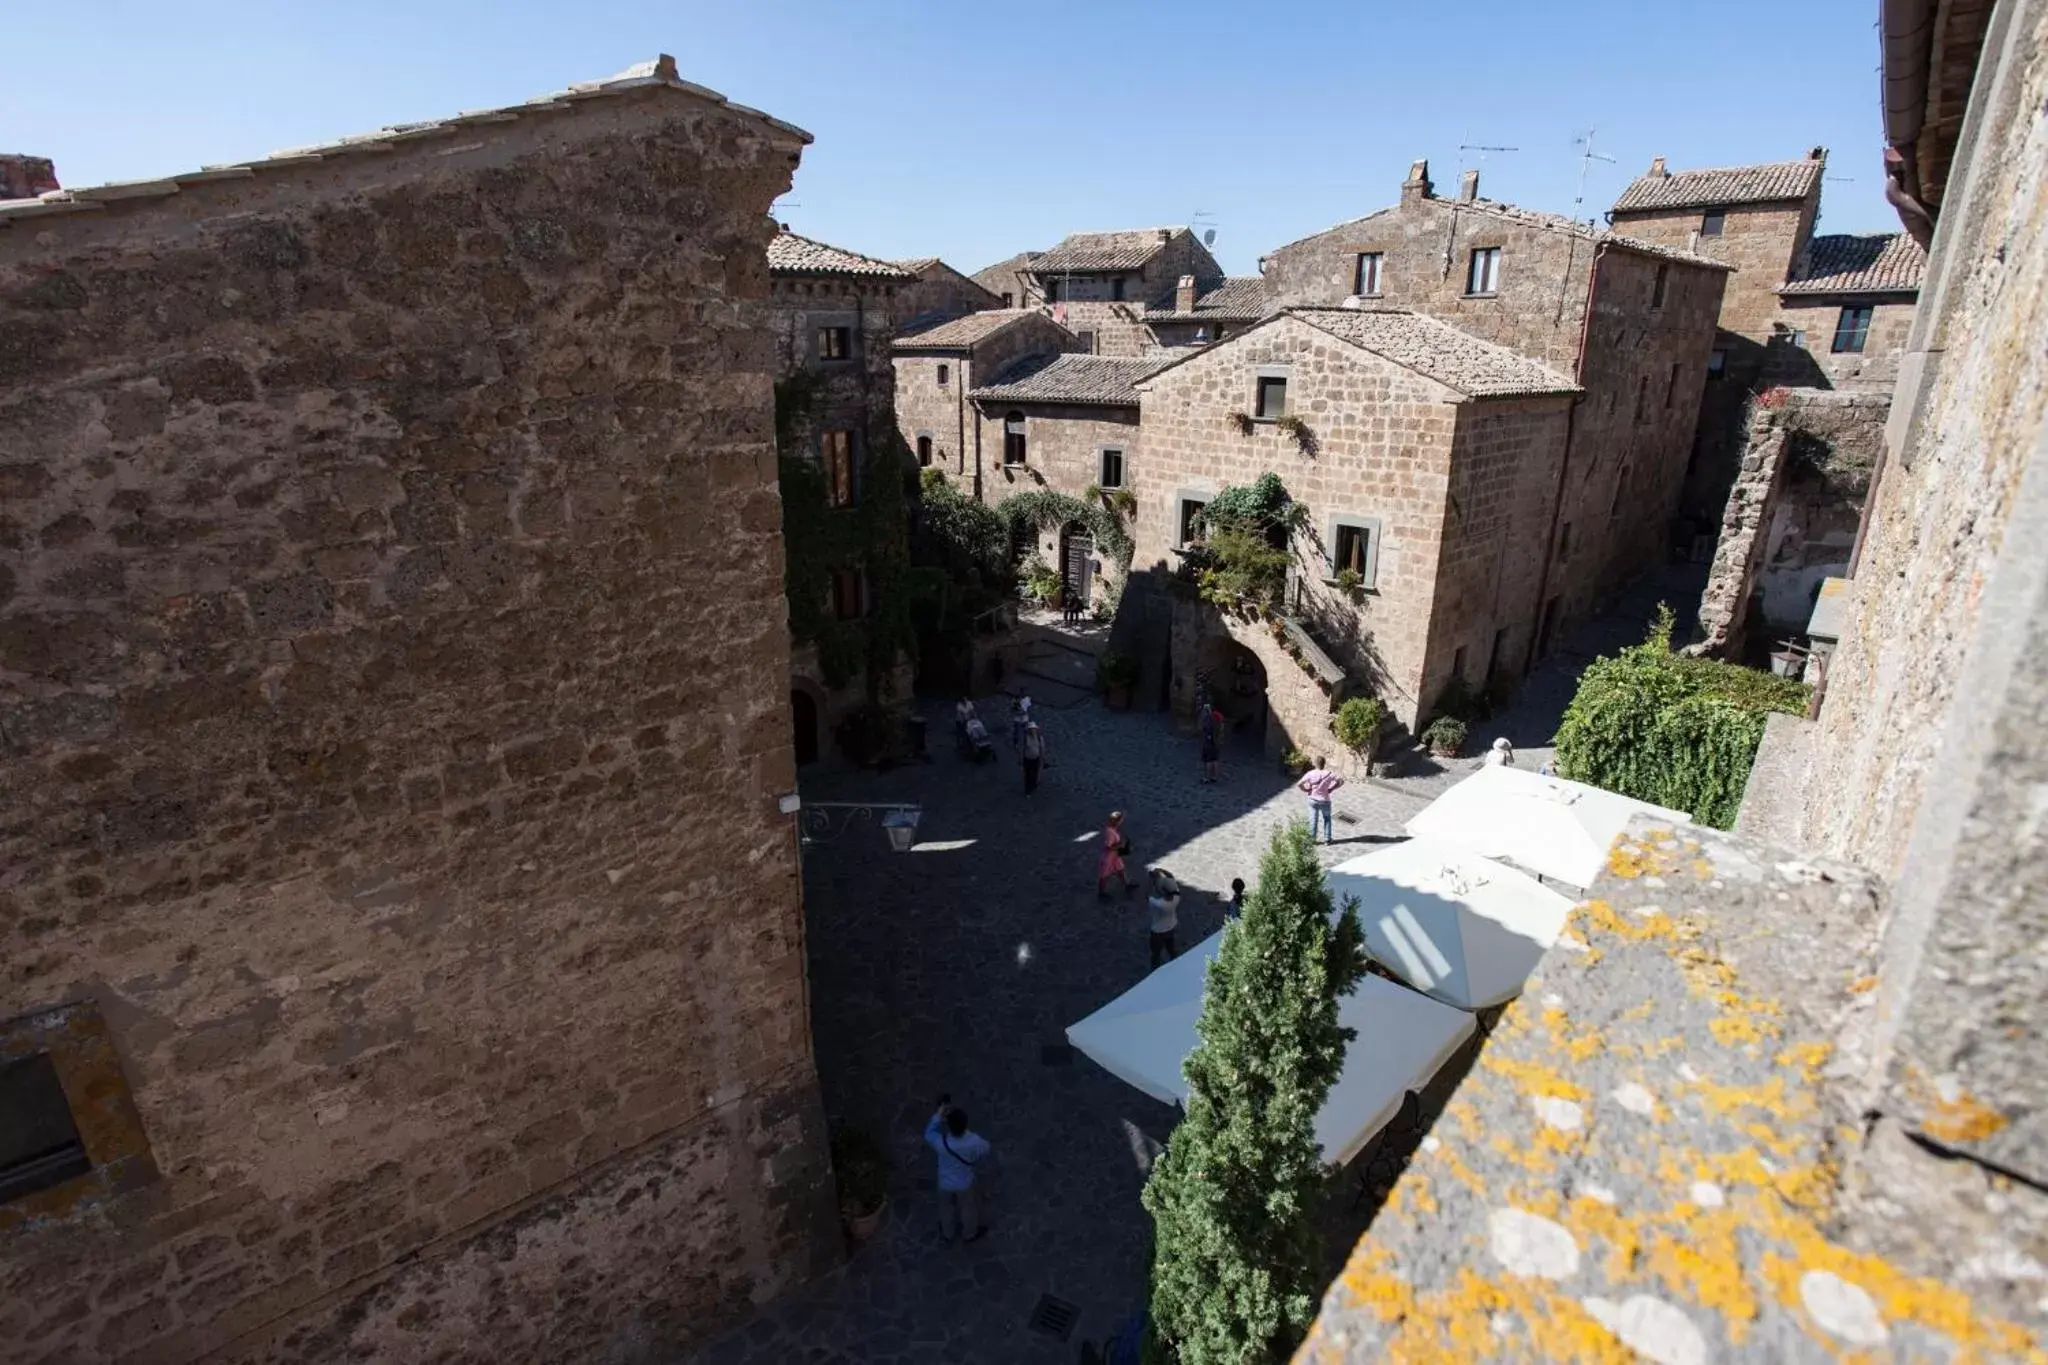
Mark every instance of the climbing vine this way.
pixel 1044 509
pixel 1676 731
pixel 1246 533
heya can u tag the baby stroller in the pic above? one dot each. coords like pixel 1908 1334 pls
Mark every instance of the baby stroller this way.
pixel 975 744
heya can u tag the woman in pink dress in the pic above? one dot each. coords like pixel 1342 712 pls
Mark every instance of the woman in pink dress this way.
pixel 1112 864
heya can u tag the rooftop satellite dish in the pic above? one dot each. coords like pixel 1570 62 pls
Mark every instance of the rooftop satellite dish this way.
pixel 1209 237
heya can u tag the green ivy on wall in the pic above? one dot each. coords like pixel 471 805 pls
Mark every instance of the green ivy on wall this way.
pixel 1676 731
pixel 1043 510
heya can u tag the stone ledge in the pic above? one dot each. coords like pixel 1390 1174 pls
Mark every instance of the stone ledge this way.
pixel 1646 1155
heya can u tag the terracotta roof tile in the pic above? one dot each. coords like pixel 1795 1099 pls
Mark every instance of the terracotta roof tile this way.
pixel 1436 350
pixel 659 72
pixel 1241 298
pixel 1089 379
pixel 1087 251
pixel 1724 185
pixel 962 332
pixel 1880 263
pixel 790 254
pixel 1003 274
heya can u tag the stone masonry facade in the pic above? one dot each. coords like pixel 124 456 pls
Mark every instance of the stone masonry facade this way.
pixel 933 378
pixel 1392 450
pixel 1634 326
pixel 392 712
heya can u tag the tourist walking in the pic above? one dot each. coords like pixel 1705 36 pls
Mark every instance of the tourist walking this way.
pixel 1321 784
pixel 1115 848
pixel 1212 726
pixel 959 1150
pixel 1164 904
pixel 1236 910
pixel 1501 755
pixel 963 711
pixel 1020 716
pixel 1033 752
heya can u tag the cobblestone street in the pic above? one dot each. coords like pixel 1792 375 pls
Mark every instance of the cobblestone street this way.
pixel 956 968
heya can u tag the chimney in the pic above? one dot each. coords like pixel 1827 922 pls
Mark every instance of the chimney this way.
pixel 1468 187
pixel 1817 154
pixel 1184 295
pixel 1657 168
pixel 25 177
pixel 1417 187
pixel 1165 234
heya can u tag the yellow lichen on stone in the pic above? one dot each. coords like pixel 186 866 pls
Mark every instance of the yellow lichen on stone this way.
pixel 1631 858
pixel 1962 1119
pixel 1531 1078
pixel 1807 1058
pixel 1863 985
pixel 1700 1261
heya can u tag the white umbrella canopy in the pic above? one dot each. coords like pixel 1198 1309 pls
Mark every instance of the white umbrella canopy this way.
pixel 1551 826
pixel 1144 1037
pixel 1450 923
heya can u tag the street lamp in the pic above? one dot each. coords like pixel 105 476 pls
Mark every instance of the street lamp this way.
pixel 823 821
pixel 901 825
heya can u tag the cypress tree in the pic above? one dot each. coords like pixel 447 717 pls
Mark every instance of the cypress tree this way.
pixel 1234 1197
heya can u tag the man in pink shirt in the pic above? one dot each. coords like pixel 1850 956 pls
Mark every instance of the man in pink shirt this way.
pixel 1321 784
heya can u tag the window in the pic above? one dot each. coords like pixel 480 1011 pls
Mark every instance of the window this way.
pixel 39 1143
pixel 1671 386
pixel 1355 548
pixel 1221 332
pixel 1052 291
pixel 1087 342
pixel 835 343
pixel 1116 289
pixel 1712 222
pixel 1564 543
pixel 849 594
pixel 1852 329
pixel 945 375
pixel 1657 285
pixel 1112 467
pixel 924 451
pixel 1189 521
pixel 1013 438
pixel 1269 400
pixel 836 448
pixel 1367 281
pixel 1483 275
pixel 1642 397
pixel 1009 299
pixel 1717 361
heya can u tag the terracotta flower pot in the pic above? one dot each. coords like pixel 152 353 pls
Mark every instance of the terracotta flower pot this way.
pixel 862 1226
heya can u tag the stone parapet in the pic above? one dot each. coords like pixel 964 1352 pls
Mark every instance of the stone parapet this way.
pixel 1647 1154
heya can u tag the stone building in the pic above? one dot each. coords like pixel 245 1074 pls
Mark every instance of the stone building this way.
pixel 1631 323
pixel 25 177
pixel 1007 280
pixel 938 292
pixel 1778 1097
pixel 936 367
pixel 404 950
pixel 1197 316
pixel 1429 464
pixel 1101 285
pixel 1845 311
pixel 1068 424
pixel 833 320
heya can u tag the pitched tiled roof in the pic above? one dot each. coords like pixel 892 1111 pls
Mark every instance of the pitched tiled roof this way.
pixel 1881 263
pixel 1092 379
pixel 1725 185
pixel 959 333
pixel 918 265
pixel 1003 274
pixel 1241 298
pixel 789 254
pixel 1436 350
pixel 659 72
pixel 1548 222
pixel 1085 251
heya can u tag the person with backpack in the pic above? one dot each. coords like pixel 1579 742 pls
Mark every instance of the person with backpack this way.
pixel 1033 752
pixel 959 1150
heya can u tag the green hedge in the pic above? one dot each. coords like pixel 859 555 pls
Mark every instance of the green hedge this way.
pixel 1677 731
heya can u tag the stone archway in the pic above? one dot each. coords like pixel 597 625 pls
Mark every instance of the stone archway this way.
pixel 803 710
pixel 1236 680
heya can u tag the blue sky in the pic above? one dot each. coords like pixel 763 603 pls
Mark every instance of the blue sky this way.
pixel 972 131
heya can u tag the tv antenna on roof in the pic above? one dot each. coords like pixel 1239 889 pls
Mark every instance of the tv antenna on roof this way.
pixel 1483 148
pixel 1586 160
pixel 1197 222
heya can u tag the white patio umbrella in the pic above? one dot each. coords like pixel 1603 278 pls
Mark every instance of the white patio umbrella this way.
pixel 1457 926
pixel 1144 1036
pixel 1551 826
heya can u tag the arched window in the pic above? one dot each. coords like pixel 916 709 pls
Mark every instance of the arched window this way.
pixel 924 451
pixel 1013 437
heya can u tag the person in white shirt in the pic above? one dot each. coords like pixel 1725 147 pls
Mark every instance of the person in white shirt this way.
pixel 1501 755
pixel 1164 904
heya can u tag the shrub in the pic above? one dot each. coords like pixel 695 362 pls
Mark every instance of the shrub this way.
pixel 1675 731
pixel 863 1171
pixel 1115 669
pixel 1445 735
pixel 1240 567
pixel 1297 762
pixel 1039 579
pixel 1044 509
pixel 1358 723
pixel 1234 1198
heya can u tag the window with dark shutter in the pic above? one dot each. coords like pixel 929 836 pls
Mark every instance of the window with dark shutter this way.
pixel 1190 521
pixel 924 451
pixel 835 343
pixel 945 374
pixel 1852 329
pixel 1013 438
pixel 837 450
pixel 1112 468
pixel 1271 397
pixel 1351 547
pixel 39 1142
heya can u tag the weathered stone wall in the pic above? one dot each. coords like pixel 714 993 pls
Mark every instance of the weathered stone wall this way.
pixel 943 411
pixel 1118 328
pixel 1874 369
pixel 1384 439
pixel 392 707
pixel 1063 453
pixel 1762 241
pixel 940 291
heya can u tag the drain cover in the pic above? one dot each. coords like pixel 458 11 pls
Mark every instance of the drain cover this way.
pixel 1054 1317
pixel 1056 1054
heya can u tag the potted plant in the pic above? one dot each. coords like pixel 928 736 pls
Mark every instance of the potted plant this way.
pixel 1357 725
pixel 1294 762
pixel 1351 584
pixel 1445 736
pixel 1122 501
pixel 1116 673
pixel 862 1168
